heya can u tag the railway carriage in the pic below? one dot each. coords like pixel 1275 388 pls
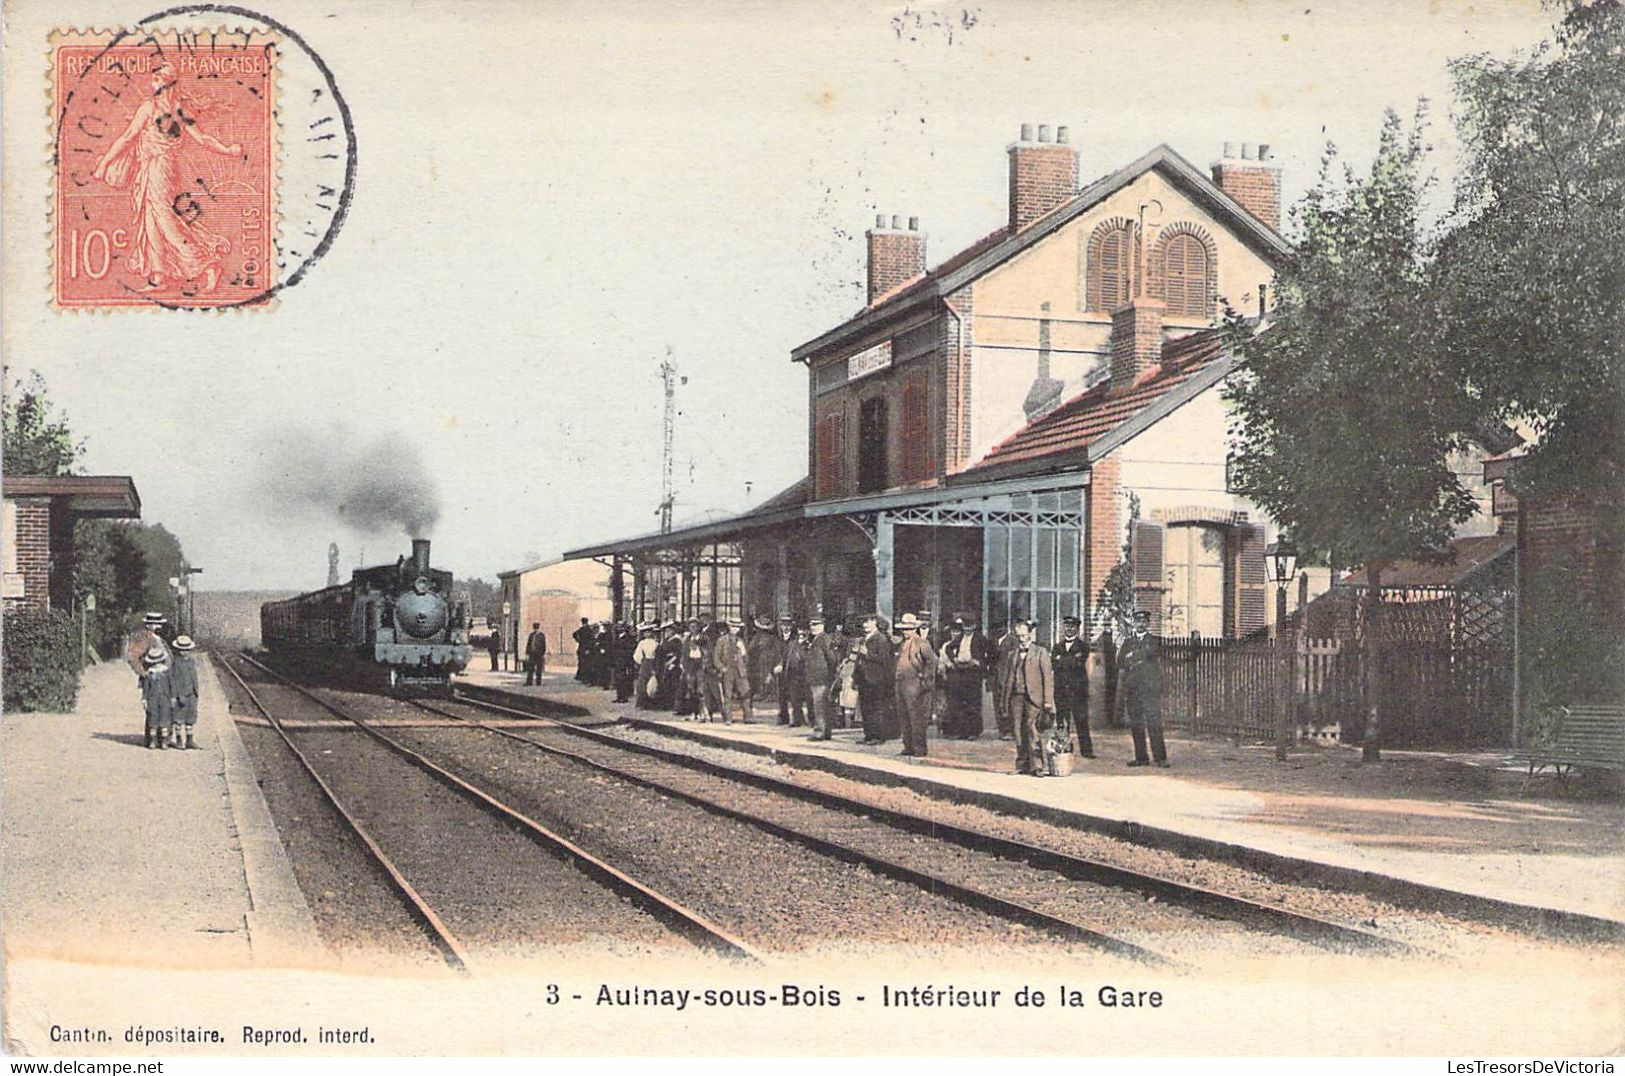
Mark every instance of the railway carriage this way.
pixel 393 624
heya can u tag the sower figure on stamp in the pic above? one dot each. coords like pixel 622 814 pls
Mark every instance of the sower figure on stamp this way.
pixel 1071 659
pixel 916 684
pixel 823 662
pixel 183 683
pixel 535 654
pixel 1030 697
pixel 1139 691
pixel 167 241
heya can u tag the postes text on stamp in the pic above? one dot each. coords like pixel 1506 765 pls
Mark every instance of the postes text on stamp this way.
pixel 166 164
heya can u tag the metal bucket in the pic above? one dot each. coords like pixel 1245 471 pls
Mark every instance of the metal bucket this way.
pixel 1060 764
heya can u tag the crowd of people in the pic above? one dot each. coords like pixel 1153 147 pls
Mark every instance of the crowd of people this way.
pixel 161 659
pixel 892 680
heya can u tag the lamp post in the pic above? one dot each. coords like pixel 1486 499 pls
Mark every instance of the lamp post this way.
pixel 1281 557
pixel 176 591
pixel 189 589
pixel 86 607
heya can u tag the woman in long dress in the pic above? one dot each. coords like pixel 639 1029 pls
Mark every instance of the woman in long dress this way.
pixel 170 240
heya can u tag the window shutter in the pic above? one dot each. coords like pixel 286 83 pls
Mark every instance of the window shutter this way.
pixel 1252 580
pixel 1110 285
pixel 832 455
pixel 916 431
pixel 1149 584
pixel 1184 273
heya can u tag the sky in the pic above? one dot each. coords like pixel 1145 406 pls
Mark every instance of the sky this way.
pixel 551 195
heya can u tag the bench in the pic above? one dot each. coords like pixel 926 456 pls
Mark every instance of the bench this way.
pixel 1590 736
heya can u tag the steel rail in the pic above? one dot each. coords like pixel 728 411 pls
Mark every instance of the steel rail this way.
pixel 1312 929
pixel 685 921
pixel 442 937
pixel 978 899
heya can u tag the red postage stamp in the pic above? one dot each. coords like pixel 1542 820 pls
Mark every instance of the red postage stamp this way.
pixel 165 164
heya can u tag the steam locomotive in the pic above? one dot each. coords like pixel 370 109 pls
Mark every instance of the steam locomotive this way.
pixel 394 625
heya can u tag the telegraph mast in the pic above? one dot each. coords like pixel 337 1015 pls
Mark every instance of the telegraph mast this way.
pixel 670 380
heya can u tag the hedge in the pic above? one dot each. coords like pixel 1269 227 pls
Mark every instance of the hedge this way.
pixel 42 661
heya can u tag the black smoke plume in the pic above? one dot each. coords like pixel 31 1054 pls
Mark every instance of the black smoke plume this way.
pixel 371 485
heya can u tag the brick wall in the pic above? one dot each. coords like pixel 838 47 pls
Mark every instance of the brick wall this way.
pixel 895 257
pixel 34 550
pixel 955 347
pixel 1103 531
pixel 1043 175
pixel 1257 188
pixel 1136 340
pixel 1560 534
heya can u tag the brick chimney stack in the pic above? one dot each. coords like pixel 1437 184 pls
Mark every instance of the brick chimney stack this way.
pixel 1136 340
pixel 1043 174
pixel 896 254
pixel 1253 179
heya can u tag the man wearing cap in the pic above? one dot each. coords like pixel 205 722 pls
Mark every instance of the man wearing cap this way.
pixel 1139 691
pixel 823 659
pixel 877 681
pixel 183 686
pixel 535 654
pixel 964 659
pixel 916 683
pixel 733 672
pixel 1071 660
pixel 1030 697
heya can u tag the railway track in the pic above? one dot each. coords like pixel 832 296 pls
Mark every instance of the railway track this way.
pixel 672 915
pixel 1016 881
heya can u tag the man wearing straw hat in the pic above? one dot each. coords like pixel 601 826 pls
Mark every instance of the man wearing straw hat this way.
pixel 916 683
pixel 733 672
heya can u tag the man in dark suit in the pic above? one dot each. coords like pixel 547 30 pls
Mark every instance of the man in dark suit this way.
pixel 1030 697
pixel 535 654
pixel 823 658
pixel 1139 691
pixel 1071 660
pixel 790 673
pixel 876 682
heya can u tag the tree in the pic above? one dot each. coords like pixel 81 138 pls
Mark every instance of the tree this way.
pixel 1530 281
pixel 1342 426
pixel 484 598
pixel 36 442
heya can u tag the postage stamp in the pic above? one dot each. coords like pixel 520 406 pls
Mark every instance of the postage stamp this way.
pixel 165 162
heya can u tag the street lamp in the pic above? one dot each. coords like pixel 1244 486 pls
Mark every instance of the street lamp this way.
pixel 191 599
pixel 1282 558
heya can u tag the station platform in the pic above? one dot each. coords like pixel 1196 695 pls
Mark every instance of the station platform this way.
pixel 1426 825
pixel 117 853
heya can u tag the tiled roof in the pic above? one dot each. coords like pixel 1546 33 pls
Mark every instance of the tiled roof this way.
pixel 1463 557
pixel 1095 412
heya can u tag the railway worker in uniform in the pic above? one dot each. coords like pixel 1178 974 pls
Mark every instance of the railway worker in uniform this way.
pixel 583 637
pixel 1008 643
pixel 823 662
pixel 157 695
pixel 916 683
pixel 493 645
pixel 790 674
pixel 1030 697
pixel 732 659
pixel 1139 691
pixel 183 677
pixel 876 678
pixel 535 654
pixel 1071 659
pixel 690 689
pixel 964 659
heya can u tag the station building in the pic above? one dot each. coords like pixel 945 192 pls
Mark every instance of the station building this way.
pixel 991 435
pixel 555 594
pixel 40 511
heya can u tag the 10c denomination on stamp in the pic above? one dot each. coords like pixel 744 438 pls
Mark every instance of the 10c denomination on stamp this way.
pixel 165 164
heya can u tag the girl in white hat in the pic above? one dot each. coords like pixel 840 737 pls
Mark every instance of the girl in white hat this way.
pixel 157 696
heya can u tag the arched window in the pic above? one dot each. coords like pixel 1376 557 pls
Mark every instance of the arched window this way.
pixel 1110 269
pixel 1184 264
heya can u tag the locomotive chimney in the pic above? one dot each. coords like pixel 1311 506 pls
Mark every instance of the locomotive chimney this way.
pixel 420 556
